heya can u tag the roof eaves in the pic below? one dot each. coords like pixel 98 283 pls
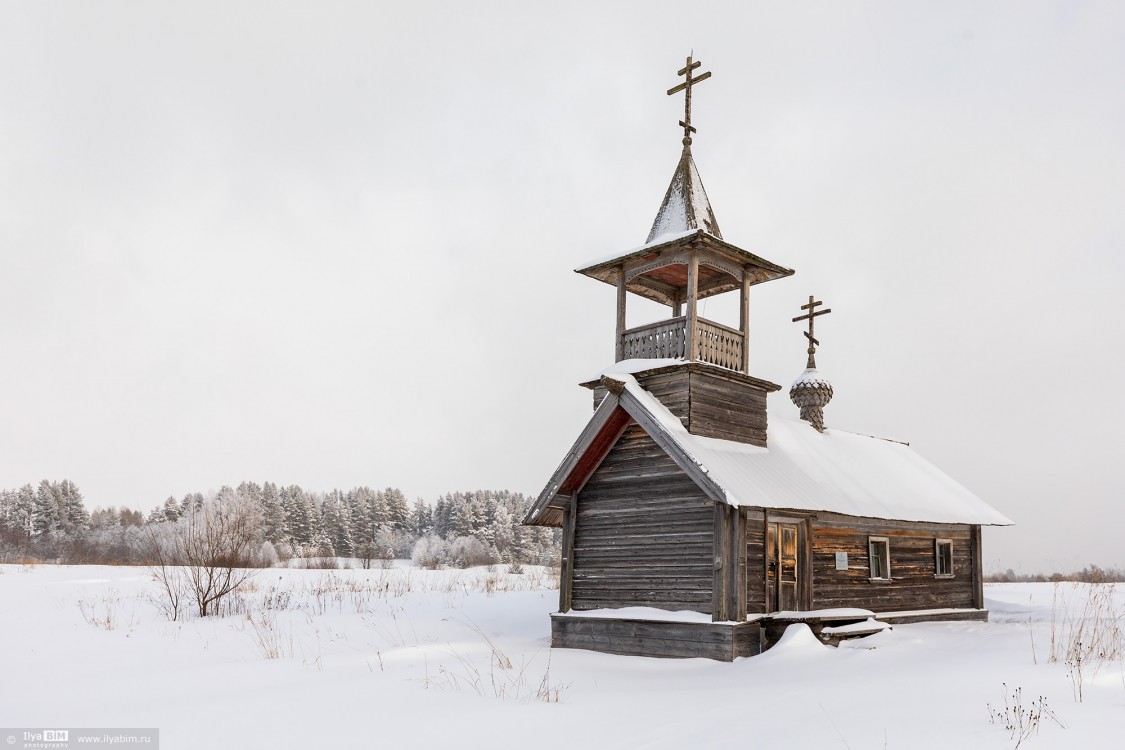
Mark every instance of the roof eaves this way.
pixel 589 433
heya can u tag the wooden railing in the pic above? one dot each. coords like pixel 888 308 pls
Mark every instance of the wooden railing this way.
pixel 667 339
pixel 661 340
pixel 719 345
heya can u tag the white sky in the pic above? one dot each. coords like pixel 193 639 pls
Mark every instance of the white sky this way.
pixel 332 244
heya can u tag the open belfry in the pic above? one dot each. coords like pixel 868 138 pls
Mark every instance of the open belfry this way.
pixel 694 526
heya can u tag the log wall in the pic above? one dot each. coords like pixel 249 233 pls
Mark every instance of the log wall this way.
pixel 913 583
pixel 643 533
pixel 726 409
pixel 722 641
pixel 711 404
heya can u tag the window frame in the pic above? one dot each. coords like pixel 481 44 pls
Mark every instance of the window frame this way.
pixel 938 572
pixel 886 558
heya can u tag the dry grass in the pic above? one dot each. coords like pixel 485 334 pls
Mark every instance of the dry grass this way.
pixel 102 611
pixel 1088 635
pixel 270 640
pixel 501 679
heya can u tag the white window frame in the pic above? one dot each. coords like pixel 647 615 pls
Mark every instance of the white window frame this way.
pixel 938 572
pixel 871 542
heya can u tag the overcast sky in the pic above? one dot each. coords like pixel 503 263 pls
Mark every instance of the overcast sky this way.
pixel 333 243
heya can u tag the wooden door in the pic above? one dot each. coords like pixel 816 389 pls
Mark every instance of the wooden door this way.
pixel 782 567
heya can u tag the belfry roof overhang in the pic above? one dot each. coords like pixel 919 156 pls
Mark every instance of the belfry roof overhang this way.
pixel 658 270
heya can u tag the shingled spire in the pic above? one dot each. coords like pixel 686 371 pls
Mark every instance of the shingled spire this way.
pixel 685 205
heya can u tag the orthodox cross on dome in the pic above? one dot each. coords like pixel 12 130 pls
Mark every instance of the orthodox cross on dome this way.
pixel 811 317
pixel 689 81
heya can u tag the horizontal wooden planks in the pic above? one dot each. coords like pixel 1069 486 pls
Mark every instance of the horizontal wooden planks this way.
pixel 671 389
pixel 726 409
pixel 722 641
pixel 913 583
pixel 643 533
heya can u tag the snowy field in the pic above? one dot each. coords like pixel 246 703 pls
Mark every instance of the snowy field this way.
pixel 411 658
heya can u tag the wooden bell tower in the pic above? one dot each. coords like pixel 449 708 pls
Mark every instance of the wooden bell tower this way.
pixel 684 260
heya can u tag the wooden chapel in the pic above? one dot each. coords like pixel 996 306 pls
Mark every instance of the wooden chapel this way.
pixel 692 526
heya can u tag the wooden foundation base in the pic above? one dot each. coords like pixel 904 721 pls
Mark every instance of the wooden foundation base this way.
pixel 722 641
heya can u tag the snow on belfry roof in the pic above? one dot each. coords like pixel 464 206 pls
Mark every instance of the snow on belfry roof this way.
pixel 832 471
pixel 685 205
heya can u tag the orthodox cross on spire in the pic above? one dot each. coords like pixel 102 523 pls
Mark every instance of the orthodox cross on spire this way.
pixel 689 81
pixel 811 317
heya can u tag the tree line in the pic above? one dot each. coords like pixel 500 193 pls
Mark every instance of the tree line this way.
pixel 50 523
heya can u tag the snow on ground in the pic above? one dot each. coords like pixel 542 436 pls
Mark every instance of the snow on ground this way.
pixel 416 658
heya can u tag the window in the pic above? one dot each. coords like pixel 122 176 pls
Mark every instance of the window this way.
pixel 879 553
pixel 943 558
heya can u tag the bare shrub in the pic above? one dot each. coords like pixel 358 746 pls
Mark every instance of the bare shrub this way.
pixel 204 556
pixel 366 552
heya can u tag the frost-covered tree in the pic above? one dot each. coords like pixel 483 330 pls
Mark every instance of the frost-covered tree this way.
pixel 421 518
pixel 273 514
pixel 47 517
pixel 336 524
pixel 169 511
pixel 397 509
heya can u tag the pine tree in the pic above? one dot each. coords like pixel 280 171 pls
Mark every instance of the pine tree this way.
pixel 335 524
pixel 72 512
pixel 47 517
pixel 398 512
pixel 273 514
pixel 297 521
pixel 421 518
pixel 24 511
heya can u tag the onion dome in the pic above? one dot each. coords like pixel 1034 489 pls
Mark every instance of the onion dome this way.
pixel 811 392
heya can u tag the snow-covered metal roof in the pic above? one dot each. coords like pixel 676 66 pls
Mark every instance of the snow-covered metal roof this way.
pixel 834 471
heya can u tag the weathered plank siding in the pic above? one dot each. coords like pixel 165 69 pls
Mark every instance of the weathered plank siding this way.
pixel 643 533
pixel 722 641
pixel 671 388
pixel 755 562
pixel 725 408
pixel 729 588
pixel 708 400
pixel 913 583
pixel 711 403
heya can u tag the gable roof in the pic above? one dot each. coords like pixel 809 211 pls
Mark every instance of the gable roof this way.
pixel 834 471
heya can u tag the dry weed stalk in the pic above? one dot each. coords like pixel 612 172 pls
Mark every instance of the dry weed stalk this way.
pixel 1089 638
pixel 1021 721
